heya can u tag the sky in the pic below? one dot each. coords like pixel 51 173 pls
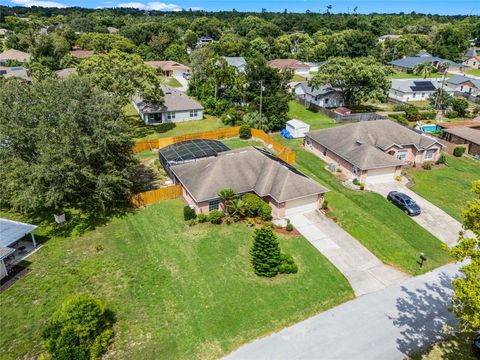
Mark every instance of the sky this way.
pixel 443 7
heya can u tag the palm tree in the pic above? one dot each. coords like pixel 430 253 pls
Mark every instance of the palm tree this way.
pixel 425 69
pixel 235 206
pixel 227 196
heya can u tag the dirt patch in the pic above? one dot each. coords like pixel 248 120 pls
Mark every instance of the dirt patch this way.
pixel 283 231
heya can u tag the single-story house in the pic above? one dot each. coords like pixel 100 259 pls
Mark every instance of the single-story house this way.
pixel 296 66
pixel 409 63
pixel 112 30
pixel 471 59
pixel 16 242
pixel 18 72
pixel 314 66
pixel 405 90
pixel 325 95
pixel 464 135
pixel 81 54
pixel 64 73
pixel 177 107
pixel 372 151
pixel 248 170
pixel 383 38
pixel 202 40
pixel 169 68
pixel 236 61
pixel 14 55
pixel 464 84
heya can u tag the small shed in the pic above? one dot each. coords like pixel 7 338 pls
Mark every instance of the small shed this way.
pixel 343 111
pixel 297 128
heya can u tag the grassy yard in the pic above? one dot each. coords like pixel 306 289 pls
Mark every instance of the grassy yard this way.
pixel 456 347
pixel 383 228
pixel 142 131
pixel 237 143
pixel 475 72
pixel 448 187
pixel 298 78
pixel 314 119
pixel 178 292
pixel 403 75
pixel 171 81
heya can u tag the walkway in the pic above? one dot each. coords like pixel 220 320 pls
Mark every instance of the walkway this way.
pixel 389 324
pixel 184 83
pixel 365 272
pixel 432 218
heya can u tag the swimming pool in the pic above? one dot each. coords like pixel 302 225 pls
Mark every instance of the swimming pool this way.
pixel 429 128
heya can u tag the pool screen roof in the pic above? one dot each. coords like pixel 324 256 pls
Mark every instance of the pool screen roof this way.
pixel 11 231
pixel 191 150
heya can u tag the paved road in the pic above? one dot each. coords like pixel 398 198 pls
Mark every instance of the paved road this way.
pixel 432 218
pixel 365 272
pixel 388 324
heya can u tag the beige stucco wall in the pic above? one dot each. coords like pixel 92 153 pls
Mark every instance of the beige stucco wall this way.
pixel 415 156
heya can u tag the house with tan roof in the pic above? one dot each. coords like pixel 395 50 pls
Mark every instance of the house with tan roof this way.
pixel 471 58
pixel 169 68
pixel 14 55
pixel 81 54
pixel 372 151
pixel 177 107
pixel 247 170
pixel 297 66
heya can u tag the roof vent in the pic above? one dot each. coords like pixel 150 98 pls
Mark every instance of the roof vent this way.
pixel 359 142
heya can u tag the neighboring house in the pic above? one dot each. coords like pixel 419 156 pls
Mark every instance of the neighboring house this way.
pixel 324 96
pixel 18 72
pixel 81 54
pixel 177 107
pixel 294 65
pixel 64 73
pixel 169 68
pixel 14 55
pixel 314 66
pixel 464 135
pixel 464 84
pixel 471 58
pixel 373 151
pixel 248 170
pixel 408 64
pixel 383 38
pixel 16 243
pixel 112 30
pixel 202 40
pixel 237 62
pixel 405 90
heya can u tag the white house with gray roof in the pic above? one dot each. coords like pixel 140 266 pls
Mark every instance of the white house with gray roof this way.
pixel 324 96
pixel 372 151
pixel 177 107
pixel 236 61
pixel 409 63
pixel 405 90
pixel 464 84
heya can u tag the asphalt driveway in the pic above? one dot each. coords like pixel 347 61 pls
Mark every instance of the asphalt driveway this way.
pixel 432 218
pixel 365 272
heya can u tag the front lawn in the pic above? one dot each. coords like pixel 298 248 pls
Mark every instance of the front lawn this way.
pixel 298 78
pixel 178 292
pixel 171 81
pixel 142 131
pixel 314 119
pixel 448 187
pixel 403 75
pixel 475 72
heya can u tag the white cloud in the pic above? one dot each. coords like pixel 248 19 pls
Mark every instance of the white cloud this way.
pixel 154 5
pixel 29 3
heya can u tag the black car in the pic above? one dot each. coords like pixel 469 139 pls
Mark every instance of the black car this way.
pixel 404 202
pixel 476 346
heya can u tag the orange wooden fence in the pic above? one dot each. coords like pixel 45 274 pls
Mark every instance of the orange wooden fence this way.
pixel 156 195
pixel 284 153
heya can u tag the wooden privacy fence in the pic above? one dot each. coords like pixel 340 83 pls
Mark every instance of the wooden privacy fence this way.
pixel 144 145
pixel 284 153
pixel 156 195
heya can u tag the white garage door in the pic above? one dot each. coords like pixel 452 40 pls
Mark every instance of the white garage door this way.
pixel 301 205
pixel 377 176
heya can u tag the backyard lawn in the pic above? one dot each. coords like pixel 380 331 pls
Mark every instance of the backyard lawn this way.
pixel 171 81
pixel 178 292
pixel 448 187
pixel 314 119
pixel 403 75
pixel 475 72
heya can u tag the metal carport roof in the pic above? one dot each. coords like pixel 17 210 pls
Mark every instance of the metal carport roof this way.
pixel 11 231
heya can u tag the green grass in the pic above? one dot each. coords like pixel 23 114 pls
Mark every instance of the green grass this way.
pixel 298 78
pixel 142 131
pixel 456 347
pixel 475 72
pixel 314 119
pixel 403 75
pixel 178 292
pixel 383 228
pixel 171 81
pixel 448 187
pixel 237 143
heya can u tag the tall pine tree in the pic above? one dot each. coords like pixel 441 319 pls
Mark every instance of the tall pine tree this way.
pixel 265 252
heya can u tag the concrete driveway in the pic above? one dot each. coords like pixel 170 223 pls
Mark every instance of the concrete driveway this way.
pixel 389 324
pixel 432 218
pixel 365 272
pixel 182 81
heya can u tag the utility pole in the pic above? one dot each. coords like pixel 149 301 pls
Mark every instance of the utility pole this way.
pixel 261 94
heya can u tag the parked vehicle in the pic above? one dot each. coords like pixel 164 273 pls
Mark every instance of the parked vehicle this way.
pixel 404 202
pixel 476 346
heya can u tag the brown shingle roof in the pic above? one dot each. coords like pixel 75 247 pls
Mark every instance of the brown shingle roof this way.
pixel 466 133
pixel 288 64
pixel 174 100
pixel 449 125
pixel 167 65
pixel 15 55
pixel 81 54
pixel 245 170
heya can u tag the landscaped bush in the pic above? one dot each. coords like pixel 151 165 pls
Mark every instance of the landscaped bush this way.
pixel 356 182
pixel 398 178
pixel 442 159
pixel 79 329
pixel 289 227
pixel 452 114
pixel 232 117
pixel 287 265
pixel 458 151
pixel 399 118
pixel 427 165
pixel 265 211
pixel 202 218
pixel 325 205
pixel 245 132
pixel 252 204
pixel 215 216
pixel 192 222
pixel 265 252
pixel 189 213
pixel 428 115
pixel 362 186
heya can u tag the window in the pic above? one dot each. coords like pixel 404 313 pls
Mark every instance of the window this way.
pixel 354 170
pixel 324 151
pixel 193 113
pixel 413 96
pixel 170 115
pixel 213 205
pixel 461 88
pixel 326 101
pixel 429 154
pixel 402 155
